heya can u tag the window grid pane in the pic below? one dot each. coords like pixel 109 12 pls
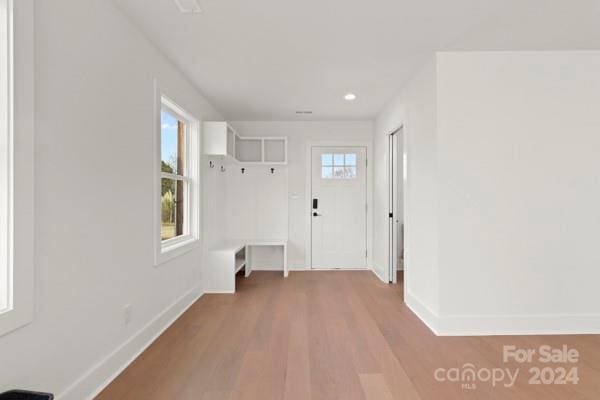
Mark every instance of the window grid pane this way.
pixel 173 207
pixel 351 159
pixel 339 166
pixel 338 160
pixel 172 146
pixel 326 172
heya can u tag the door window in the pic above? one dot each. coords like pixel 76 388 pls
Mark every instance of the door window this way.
pixel 338 166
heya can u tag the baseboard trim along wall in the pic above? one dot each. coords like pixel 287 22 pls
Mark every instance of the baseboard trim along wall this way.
pixel 92 382
pixel 424 313
pixel 493 325
pixel 378 275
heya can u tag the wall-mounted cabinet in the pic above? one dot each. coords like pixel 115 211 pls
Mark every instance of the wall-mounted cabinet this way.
pixel 220 139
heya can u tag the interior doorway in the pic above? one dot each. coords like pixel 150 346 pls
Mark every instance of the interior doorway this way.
pixel 338 207
pixel 396 180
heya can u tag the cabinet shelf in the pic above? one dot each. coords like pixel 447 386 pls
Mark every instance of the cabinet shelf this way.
pixel 220 139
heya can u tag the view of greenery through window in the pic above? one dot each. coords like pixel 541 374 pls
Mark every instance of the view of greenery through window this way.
pixel 173 176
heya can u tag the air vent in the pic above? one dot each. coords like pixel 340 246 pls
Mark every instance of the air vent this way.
pixel 188 6
pixel 304 112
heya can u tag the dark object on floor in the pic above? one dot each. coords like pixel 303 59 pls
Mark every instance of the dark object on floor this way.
pixel 25 395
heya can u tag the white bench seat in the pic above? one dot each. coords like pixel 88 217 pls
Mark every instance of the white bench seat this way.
pixel 227 258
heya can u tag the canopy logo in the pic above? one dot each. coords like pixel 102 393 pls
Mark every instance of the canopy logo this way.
pixel 549 373
pixel 468 375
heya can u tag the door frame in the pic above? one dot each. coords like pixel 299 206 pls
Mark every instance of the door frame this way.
pixel 308 192
pixel 392 203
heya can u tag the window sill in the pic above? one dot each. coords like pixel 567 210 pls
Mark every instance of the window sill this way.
pixel 14 319
pixel 173 249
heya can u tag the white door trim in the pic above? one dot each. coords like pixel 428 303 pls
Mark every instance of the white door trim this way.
pixel 401 159
pixel 308 190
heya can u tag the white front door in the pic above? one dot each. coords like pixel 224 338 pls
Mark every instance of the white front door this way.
pixel 339 207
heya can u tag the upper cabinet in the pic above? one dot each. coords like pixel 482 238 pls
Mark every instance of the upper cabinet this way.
pixel 220 139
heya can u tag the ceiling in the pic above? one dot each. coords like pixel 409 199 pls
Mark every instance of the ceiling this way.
pixel 266 59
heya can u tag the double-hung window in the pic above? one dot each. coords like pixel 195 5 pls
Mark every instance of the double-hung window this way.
pixel 16 164
pixel 179 204
pixel 6 287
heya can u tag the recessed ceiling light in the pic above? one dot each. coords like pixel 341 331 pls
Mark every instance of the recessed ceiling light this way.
pixel 350 96
pixel 188 6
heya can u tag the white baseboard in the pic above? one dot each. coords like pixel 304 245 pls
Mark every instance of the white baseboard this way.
pixel 377 274
pixel 278 269
pixel 297 265
pixel 93 381
pixel 298 268
pixel 424 313
pixel 558 324
pixel 219 292
pixel 493 325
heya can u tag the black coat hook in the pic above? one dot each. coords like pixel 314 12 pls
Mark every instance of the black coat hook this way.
pixel 211 164
pixel 222 168
pixel 272 170
pixel 243 170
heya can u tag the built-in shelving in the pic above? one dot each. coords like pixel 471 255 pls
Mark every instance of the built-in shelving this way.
pixel 240 259
pixel 220 139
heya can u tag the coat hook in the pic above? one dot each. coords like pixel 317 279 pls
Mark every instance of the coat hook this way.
pixel 222 168
pixel 272 170
pixel 211 164
pixel 243 170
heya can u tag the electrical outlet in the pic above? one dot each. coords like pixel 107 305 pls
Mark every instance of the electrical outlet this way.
pixel 127 313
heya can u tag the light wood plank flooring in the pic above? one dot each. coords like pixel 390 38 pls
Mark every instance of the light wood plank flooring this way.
pixel 328 335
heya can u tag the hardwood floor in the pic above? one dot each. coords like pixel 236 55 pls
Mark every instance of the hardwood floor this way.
pixel 331 335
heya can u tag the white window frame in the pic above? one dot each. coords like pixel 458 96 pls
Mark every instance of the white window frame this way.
pixel 16 174
pixel 166 250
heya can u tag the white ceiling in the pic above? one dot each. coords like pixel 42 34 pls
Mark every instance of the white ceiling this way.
pixel 265 59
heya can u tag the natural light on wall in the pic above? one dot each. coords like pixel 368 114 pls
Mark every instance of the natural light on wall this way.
pixel 5 155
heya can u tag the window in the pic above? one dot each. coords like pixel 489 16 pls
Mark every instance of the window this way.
pixel 175 180
pixel 178 207
pixel 338 166
pixel 6 298
pixel 16 164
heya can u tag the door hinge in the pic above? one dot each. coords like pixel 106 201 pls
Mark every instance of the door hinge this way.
pixel 366 254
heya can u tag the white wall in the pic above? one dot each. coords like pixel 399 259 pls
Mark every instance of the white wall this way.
pixel 299 134
pixel 415 109
pixel 94 195
pixel 519 189
pixel 502 191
